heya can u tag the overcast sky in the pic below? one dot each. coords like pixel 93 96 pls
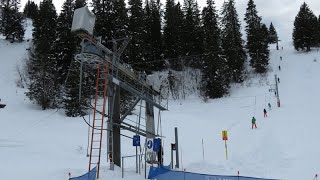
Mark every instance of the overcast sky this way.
pixel 280 12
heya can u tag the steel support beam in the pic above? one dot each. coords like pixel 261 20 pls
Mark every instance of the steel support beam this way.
pixel 130 109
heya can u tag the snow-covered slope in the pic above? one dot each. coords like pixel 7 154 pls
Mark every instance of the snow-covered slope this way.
pixel 285 145
pixel 36 144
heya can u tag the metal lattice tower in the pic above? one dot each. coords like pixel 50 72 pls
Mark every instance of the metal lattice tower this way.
pixel 118 76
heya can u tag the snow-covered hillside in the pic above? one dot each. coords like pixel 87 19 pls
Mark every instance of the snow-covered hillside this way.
pixel 36 144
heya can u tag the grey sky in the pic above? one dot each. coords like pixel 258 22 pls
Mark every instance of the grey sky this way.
pixel 280 12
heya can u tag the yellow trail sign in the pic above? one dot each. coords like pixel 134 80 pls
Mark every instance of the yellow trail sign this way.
pixel 224 135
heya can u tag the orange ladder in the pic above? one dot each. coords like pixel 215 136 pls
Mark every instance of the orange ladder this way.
pixel 98 121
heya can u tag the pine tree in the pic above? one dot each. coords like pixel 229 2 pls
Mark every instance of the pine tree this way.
pixel 12 20
pixel 255 42
pixel 253 25
pixel 5 15
pixel 305 29
pixel 153 37
pixel 30 9
pixel 80 3
pixel 168 30
pixel 18 27
pixel 273 37
pixel 66 43
pixel 75 105
pixel 263 49
pixel 179 25
pixel 120 19
pixel 136 31
pixel 104 11
pixel 41 66
pixel 147 41
pixel 26 9
pixel 319 31
pixel 71 97
pixel 172 33
pixel 192 33
pixel 215 71
pixel 65 47
pixel 212 40
pixel 232 43
pixel 120 24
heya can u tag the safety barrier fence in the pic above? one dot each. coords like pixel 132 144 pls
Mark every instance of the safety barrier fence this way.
pixel 91 175
pixel 165 173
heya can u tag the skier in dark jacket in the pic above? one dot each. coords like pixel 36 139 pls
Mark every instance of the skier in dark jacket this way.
pixel 265 113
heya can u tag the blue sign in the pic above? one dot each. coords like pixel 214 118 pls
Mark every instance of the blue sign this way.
pixel 156 144
pixel 136 140
pixel 149 144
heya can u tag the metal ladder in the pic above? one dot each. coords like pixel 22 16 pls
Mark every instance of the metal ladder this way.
pixel 98 119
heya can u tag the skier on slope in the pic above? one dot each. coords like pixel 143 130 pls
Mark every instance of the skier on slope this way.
pixel 253 122
pixel 2 105
pixel 265 113
pixel 269 105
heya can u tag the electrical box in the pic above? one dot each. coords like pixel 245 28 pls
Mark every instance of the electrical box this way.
pixel 83 20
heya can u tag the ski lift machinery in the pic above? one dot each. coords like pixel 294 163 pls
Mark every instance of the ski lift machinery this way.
pixel 95 53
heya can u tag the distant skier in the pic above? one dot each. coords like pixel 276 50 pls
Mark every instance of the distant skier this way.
pixel 269 105
pixel 2 105
pixel 279 68
pixel 265 113
pixel 278 80
pixel 281 58
pixel 254 122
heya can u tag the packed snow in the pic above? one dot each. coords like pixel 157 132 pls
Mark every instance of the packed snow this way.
pixel 37 144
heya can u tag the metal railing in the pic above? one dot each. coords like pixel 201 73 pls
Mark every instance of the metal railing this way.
pixel 138 163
